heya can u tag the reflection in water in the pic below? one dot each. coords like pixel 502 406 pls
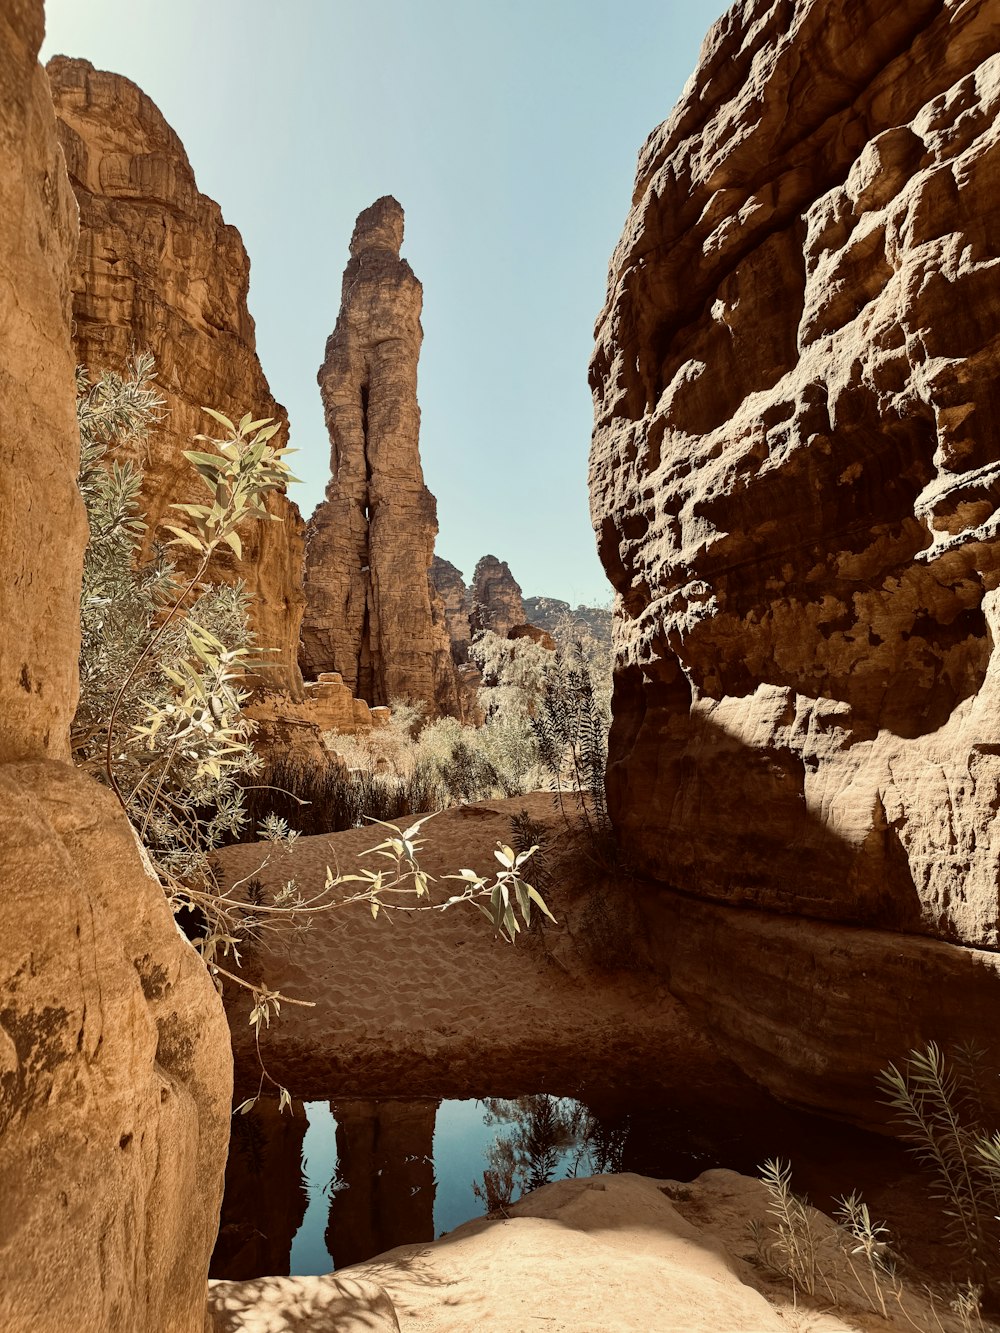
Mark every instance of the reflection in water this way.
pixel 265 1199
pixel 542 1138
pixel 383 1192
pixel 384 1173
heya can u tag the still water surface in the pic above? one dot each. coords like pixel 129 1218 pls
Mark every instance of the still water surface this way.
pixel 341 1181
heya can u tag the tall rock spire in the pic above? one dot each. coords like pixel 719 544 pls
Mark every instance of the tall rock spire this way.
pixel 370 611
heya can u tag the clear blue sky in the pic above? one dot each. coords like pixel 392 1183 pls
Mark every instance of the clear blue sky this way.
pixel 508 130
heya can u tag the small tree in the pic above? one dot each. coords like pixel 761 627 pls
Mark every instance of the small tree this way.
pixel 163 663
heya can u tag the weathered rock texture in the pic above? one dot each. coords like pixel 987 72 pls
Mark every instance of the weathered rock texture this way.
pixel 795 470
pixel 158 268
pixel 449 584
pixel 115 1072
pixel 371 612
pixel 296 727
pixel 495 597
pixel 43 529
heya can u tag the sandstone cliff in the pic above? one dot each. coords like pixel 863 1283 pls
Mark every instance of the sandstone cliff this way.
pixel 158 268
pixel 793 483
pixel 115 1071
pixel 795 470
pixel 371 612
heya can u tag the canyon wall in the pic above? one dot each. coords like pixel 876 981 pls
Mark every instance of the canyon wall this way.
pixel 795 470
pixel 371 612
pixel 795 475
pixel 115 1066
pixel 158 268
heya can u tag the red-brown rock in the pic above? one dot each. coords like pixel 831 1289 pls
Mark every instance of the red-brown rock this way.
pixel 495 598
pixel 372 614
pixel 158 268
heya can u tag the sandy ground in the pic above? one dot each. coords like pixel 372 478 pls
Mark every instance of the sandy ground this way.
pixel 608 1254
pixel 432 1004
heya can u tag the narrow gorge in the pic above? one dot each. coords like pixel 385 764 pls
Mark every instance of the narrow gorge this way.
pixel 735 838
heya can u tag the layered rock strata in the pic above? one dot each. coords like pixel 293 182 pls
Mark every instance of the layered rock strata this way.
pixel 158 268
pixel 115 1067
pixel 371 612
pixel 796 468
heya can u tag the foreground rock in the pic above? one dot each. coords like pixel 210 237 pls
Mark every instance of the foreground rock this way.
pixel 619 1254
pixel 794 470
pixel 371 612
pixel 115 1078
pixel 158 268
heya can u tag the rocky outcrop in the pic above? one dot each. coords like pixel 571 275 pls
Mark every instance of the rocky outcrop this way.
pixel 554 615
pixel 495 598
pixel 158 268
pixel 795 472
pixel 371 612
pixel 295 728
pixel 449 584
pixel 115 1073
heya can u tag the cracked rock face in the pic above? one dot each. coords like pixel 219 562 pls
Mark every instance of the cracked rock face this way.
pixel 796 468
pixel 372 614
pixel 158 268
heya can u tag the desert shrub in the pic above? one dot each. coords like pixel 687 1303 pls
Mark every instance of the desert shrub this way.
pixel 162 656
pixel 164 659
pixel 940 1115
pixel 328 798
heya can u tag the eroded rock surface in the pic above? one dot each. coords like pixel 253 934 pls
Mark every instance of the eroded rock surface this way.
pixel 495 598
pixel 158 268
pixel 115 1066
pixel 372 614
pixel 449 584
pixel 795 470
pixel 40 506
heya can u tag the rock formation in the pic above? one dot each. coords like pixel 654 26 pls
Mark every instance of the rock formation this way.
pixel 795 471
pixel 159 268
pixel 449 584
pixel 371 613
pixel 115 1069
pixel 495 598
pixel 552 614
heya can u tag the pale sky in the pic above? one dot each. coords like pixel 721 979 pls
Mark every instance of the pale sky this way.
pixel 508 130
